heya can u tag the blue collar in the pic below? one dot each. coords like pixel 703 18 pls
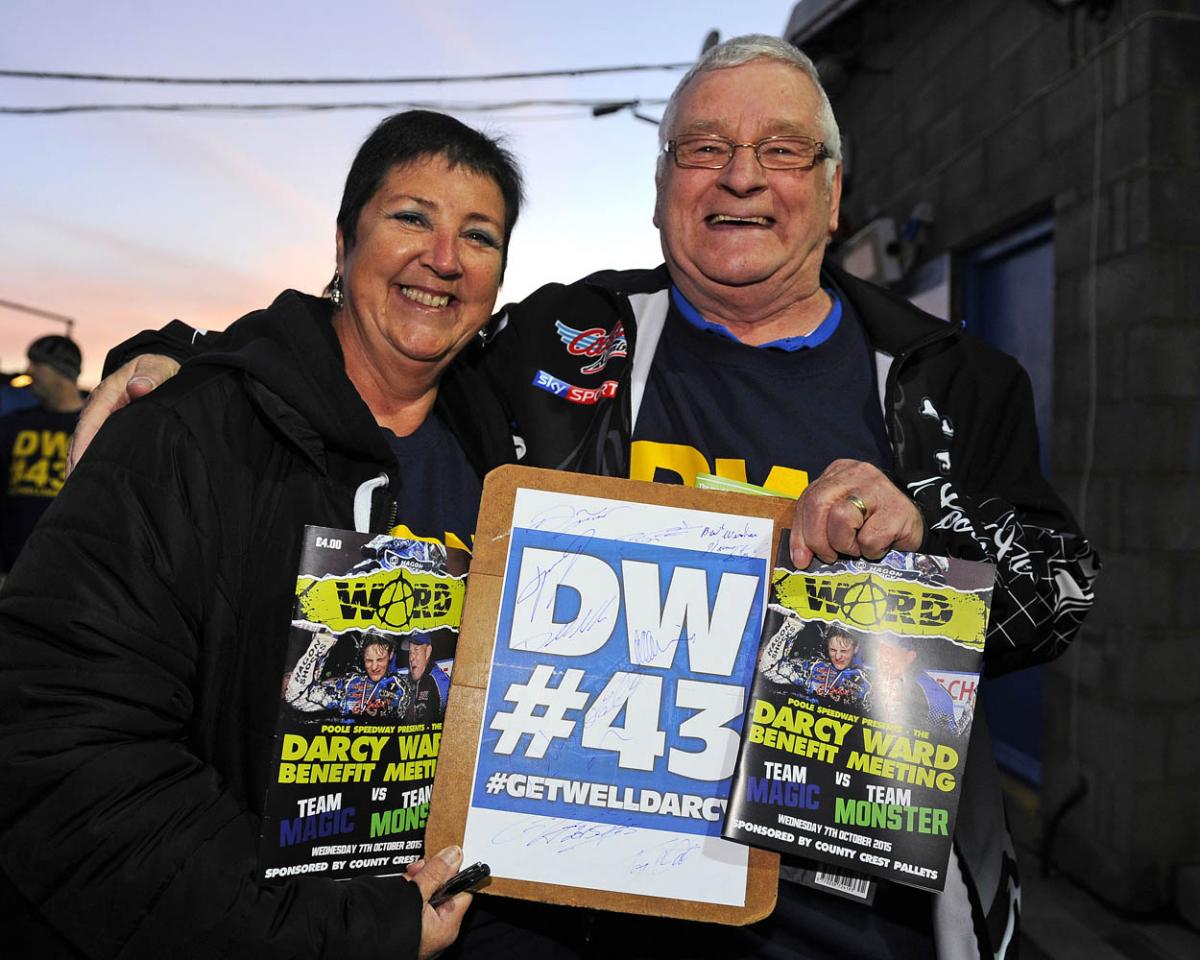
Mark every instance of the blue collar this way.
pixel 825 329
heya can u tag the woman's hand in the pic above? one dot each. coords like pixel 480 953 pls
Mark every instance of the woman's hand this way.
pixel 439 925
pixel 135 379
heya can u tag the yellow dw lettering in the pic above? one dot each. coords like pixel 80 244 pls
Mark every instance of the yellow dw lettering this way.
pixel 648 456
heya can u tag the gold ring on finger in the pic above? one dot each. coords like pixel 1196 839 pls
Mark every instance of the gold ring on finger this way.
pixel 860 504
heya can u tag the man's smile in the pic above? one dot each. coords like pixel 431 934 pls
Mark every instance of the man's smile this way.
pixel 729 220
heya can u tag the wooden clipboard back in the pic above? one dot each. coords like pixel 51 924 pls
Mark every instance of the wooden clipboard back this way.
pixel 464 714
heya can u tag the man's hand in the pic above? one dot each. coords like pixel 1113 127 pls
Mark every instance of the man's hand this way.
pixel 136 379
pixel 439 925
pixel 853 509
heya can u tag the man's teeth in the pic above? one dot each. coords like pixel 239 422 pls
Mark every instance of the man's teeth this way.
pixel 428 299
pixel 723 218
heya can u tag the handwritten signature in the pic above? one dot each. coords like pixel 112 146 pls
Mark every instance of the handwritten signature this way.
pixel 645 645
pixel 565 518
pixel 558 836
pixel 720 538
pixel 582 624
pixel 668 855
pixel 614 697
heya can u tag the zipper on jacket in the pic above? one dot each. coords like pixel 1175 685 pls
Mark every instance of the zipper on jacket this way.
pixel 898 361
pixel 606 461
pixel 364 503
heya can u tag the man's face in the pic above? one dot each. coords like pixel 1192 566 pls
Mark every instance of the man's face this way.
pixel 42 378
pixel 893 660
pixel 841 651
pixel 418 659
pixel 375 660
pixel 772 248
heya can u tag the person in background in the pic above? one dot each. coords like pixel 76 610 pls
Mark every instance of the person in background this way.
pixel 34 442
pixel 427 683
pixel 906 694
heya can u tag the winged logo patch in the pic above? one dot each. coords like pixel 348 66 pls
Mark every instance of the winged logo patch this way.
pixel 593 342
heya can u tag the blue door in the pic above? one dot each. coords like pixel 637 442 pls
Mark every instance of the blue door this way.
pixel 1008 287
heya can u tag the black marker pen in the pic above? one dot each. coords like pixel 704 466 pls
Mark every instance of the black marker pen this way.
pixel 465 879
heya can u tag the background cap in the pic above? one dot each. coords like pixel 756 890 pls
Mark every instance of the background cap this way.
pixel 61 353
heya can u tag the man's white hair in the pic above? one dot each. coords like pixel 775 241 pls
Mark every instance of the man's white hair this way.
pixel 741 50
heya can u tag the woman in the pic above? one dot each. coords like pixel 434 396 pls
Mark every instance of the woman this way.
pixel 142 634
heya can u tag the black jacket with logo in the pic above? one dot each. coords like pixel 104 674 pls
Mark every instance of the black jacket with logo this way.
pixel 142 649
pixel 959 416
pixel 960 420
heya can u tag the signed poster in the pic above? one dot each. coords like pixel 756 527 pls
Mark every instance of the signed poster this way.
pixel 620 643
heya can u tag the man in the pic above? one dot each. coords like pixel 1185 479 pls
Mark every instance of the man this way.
pixel 34 442
pixel 836 677
pixel 748 355
pixel 904 693
pixel 375 690
pixel 425 687
pixel 427 684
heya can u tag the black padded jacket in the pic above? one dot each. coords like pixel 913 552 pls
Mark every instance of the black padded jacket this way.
pixel 142 638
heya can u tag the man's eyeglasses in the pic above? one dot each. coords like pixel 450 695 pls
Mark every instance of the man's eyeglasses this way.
pixel 774 153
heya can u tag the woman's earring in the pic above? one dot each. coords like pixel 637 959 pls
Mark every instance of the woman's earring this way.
pixel 335 291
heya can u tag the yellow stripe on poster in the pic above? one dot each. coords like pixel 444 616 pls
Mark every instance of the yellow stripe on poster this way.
pixel 878 604
pixel 394 601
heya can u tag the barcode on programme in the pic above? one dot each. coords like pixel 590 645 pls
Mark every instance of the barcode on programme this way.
pixel 846 881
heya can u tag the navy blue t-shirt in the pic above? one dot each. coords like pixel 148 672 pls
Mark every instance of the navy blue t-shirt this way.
pixel 785 410
pixel 33 466
pixel 439 490
pixel 775 415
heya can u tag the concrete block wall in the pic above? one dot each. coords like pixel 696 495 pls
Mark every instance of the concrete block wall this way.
pixel 993 111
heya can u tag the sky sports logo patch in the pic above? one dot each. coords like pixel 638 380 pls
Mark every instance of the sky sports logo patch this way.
pixel 572 393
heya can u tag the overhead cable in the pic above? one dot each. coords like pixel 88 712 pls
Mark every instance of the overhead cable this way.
pixel 334 81
pixel 477 107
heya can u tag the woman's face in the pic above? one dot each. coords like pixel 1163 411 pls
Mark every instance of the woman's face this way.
pixel 421 278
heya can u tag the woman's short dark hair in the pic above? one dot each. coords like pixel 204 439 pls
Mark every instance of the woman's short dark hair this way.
pixel 414 135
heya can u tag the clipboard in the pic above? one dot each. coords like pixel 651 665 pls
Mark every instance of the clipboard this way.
pixel 456 777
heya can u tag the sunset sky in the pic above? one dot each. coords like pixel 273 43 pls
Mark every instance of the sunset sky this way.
pixel 125 220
